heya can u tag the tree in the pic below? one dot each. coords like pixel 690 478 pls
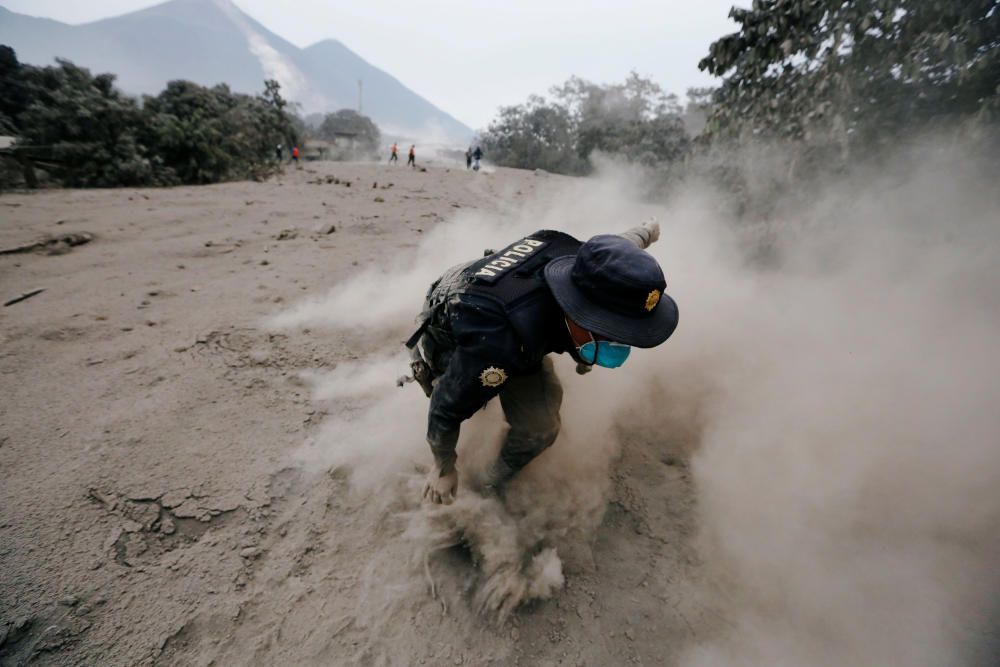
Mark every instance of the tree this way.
pixel 855 73
pixel 351 128
pixel 283 120
pixel 206 135
pixel 534 135
pixel 699 104
pixel 81 127
pixel 14 94
pixel 635 120
pixel 83 132
pixel 272 95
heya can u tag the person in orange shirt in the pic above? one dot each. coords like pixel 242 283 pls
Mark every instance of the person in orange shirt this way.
pixel 295 155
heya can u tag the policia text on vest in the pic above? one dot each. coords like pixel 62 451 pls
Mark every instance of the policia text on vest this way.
pixel 508 257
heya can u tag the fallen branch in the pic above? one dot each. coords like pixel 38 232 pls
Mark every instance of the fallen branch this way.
pixel 50 242
pixel 26 295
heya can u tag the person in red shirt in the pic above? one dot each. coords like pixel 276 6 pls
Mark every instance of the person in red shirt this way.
pixel 412 161
pixel 295 155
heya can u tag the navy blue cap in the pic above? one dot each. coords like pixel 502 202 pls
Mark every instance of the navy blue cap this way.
pixel 615 290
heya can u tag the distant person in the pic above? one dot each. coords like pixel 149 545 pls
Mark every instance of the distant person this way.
pixel 394 156
pixel 295 155
pixel 477 156
pixel 468 157
pixel 412 160
pixel 279 152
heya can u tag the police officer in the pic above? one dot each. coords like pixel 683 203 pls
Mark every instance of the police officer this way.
pixel 488 326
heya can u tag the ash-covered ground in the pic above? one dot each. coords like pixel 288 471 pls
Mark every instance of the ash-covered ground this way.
pixel 206 460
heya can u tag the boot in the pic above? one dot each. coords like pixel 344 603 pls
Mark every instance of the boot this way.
pixel 499 475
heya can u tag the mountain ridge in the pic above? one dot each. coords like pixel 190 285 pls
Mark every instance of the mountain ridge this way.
pixel 213 41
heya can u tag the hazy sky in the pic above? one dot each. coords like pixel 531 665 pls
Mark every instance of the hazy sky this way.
pixel 471 56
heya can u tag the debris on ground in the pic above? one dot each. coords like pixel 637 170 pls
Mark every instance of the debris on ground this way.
pixel 24 296
pixel 53 245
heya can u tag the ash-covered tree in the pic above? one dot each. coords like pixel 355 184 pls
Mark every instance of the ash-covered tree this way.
pixel 14 94
pixel 696 110
pixel 534 135
pixel 81 131
pixel 634 120
pixel 284 122
pixel 855 74
pixel 77 126
pixel 354 135
pixel 206 135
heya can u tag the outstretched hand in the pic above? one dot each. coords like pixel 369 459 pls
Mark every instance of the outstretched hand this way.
pixel 440 487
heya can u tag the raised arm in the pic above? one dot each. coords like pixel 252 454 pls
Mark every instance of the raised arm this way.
pixel 643 235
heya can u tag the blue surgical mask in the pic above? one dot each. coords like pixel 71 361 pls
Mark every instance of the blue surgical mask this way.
pixel 604 353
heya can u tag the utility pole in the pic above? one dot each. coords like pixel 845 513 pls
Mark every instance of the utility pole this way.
pixel 361 95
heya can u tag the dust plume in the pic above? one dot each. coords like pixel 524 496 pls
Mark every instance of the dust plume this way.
pixel 275 65
pixel 375 430
pixel 365 302
pixel 840 402
pixel 848 466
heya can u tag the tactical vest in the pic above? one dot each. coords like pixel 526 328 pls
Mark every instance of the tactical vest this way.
pixel 510 277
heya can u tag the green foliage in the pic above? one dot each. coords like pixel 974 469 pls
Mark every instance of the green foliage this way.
pixel 815 87
pixel 82 126
pixel 206 135
pixel 854 73
pixel 84 132
pixel 354 135
pixel 699 103
pixel 534 135
pixel 635 120
pixel 15 96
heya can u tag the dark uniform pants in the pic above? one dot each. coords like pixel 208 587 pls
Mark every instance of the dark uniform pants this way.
pixel 531 407
pixel 530 403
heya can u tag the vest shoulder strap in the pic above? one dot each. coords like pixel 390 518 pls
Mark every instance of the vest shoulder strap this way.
pixel 515 271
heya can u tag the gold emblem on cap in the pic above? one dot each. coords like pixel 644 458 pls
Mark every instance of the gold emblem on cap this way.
pixel 493 377
pixel 652 299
